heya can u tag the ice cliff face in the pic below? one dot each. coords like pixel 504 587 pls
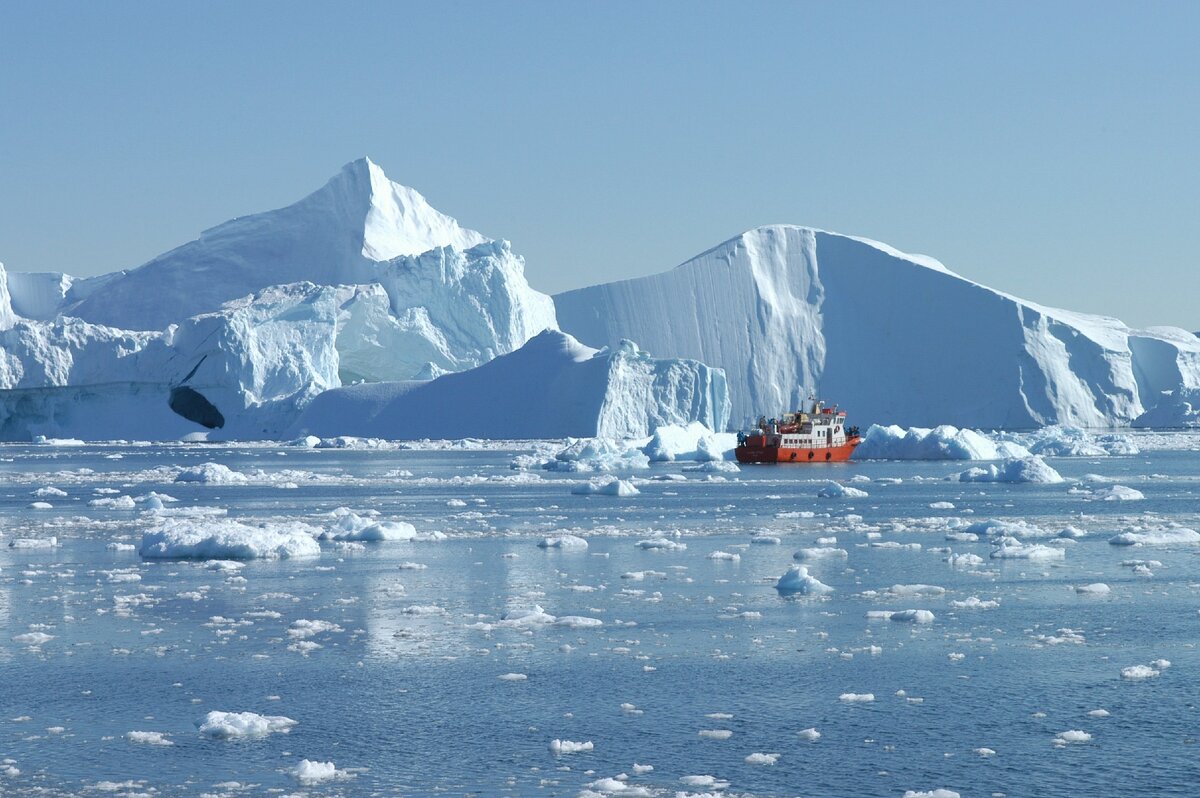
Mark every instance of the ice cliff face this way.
pixel 551 387
pixel 897 338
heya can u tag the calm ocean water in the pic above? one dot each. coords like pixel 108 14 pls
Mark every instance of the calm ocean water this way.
pixel 402 689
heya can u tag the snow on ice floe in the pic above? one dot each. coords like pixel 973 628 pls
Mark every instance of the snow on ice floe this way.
pixel 810 734
pixel 621 488
pixel 1015 471
pixel 797 580
pixel 558 746
pixel 941 443
pixel 1178 536
pixel 563 542
pixel 226 539
pixel 233 725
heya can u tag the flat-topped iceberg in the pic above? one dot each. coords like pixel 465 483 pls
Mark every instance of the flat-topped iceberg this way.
pixel 226 539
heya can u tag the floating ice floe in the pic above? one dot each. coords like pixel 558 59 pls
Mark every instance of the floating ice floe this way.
pixel 965 560
pixel 715 734
pixel 1139 672
pixel 1118 493
pixel 1094 589
pixel 836 490
pixel 563 542
pixel 810 734
pixel 661 544
pixel 903 616
pixel 232 725
pixel 212 474
pixel 312 772
pixel 1012 549
pixel 724 555
pixel 1157 537
pixel 1016 471
pixel 940 443
pixel 1072 736
pixel 33 543
pixel 940 792
pixel 349 526
pixel 1066 441
pixel 148 738
pixel 32 639
pixel 856 698
pixel 226 539
pixel 611 487
pixel 798 580
pixel 761 759
pixel 819 552
pixel 671 442
pixel 975 603
pixel 569 746
pixel 597 454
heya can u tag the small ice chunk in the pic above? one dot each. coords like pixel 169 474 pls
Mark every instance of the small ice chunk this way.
pixel 148 738
pixel 573 542
pixel 569 746
pixel 762 759
pixel 798 580
pixel 232 725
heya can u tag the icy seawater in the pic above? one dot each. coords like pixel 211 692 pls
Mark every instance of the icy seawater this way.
pixel 211 620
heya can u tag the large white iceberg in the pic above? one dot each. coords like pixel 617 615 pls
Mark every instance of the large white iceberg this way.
pixel 360 281
pixel 898 338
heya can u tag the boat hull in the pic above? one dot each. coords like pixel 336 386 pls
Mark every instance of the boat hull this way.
pixel 784 454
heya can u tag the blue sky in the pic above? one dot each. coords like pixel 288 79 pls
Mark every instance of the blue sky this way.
pixel 1047 150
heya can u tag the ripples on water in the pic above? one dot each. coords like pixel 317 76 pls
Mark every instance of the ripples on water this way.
pixel 402 689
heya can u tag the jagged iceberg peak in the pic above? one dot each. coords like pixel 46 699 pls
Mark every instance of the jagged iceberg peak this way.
pixel 399 220
pixel 336 235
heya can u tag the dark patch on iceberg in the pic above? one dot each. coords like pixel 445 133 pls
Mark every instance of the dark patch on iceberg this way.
pixel 192 405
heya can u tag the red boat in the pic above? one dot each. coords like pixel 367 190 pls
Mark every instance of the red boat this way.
pixel 818 436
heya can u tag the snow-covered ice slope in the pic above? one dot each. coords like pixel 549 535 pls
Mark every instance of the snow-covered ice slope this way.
pixel 551 387
pixel 897 338
pixel 337 235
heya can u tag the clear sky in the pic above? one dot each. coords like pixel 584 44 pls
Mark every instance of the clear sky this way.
pixel 1045 149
